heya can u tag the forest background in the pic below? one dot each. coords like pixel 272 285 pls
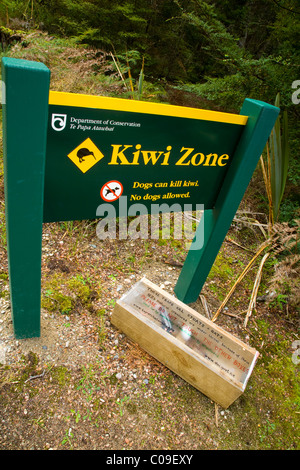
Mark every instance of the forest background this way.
pixel 220 50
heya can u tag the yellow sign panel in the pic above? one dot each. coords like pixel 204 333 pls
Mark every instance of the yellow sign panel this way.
pixel 86 155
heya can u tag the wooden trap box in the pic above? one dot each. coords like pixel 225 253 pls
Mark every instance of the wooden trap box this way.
pixel 202 353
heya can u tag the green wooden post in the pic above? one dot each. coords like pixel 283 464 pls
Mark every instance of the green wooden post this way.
pixel 215 223
pixel 25 116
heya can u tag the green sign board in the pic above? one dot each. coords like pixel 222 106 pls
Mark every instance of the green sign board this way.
pixel 101 148
pixel 65 154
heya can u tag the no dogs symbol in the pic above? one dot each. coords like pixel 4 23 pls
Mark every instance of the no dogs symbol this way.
pixel 111 191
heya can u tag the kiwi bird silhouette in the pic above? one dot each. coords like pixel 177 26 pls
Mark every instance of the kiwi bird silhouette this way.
pixel 84 152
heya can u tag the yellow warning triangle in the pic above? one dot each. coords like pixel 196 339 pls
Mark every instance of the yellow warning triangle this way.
pixel 86 155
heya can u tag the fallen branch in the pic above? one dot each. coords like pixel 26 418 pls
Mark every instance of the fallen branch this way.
pixel 238 317
pixel 205 306
pixel 32 377
pixel 216 415
pixel 252 222
pixel 35 376
pixel 242 275
pixel 252 302
pixel 119 71
pixel 230 240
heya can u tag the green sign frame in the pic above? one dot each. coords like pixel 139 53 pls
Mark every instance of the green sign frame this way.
pixel 62 151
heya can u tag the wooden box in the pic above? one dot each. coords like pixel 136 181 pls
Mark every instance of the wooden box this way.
pixel 205 355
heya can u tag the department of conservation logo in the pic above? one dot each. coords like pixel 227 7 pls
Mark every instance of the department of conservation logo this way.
pixel 58 121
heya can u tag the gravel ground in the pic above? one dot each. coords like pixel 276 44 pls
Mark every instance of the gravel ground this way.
pixel 81 388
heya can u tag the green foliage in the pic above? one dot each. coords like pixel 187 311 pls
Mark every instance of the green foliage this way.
pixel 279 154
pixel 279 302
pixel 222 51
pixel 190 40
pixel 275 165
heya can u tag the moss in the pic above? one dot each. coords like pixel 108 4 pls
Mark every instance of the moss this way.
pixel 80 288
pixel 221 275
pixel 55 301
pixel 60 375
pixel 272 397
pixel 29 368
pixel 278 427
pixel 64 295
